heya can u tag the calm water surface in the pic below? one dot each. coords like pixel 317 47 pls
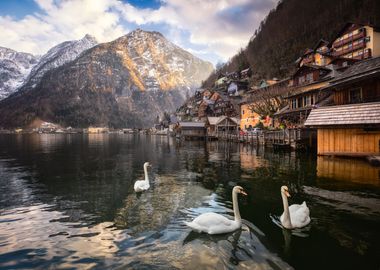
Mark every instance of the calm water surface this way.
pixel 67 202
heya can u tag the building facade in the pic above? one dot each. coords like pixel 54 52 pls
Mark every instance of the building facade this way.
pixel 357 41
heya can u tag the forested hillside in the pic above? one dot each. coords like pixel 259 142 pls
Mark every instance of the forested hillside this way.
pixel 293 26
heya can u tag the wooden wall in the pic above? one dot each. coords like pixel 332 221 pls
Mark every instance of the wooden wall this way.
pixel 348 141
pixel 370 92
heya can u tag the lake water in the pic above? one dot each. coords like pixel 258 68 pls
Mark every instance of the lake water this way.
pixel 67 201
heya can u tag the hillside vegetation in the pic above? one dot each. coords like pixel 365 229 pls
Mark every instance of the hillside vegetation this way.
pixel 290 28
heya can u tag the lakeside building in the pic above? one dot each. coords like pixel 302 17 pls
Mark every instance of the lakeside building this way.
pixel 93 130
pixel 351 127
pixel 191 130
pixel 222 125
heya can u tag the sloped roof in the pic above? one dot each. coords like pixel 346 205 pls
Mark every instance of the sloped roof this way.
pixel 236 120
pixel 349 25
pixel 192 124
pixel 215 120
pixel 357 71
pixel 353 114
pixel 320 43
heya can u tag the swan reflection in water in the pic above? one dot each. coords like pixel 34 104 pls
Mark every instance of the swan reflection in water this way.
pixel 155 208
pixel 288 234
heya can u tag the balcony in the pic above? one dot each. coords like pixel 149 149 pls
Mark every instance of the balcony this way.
pixel 357 36
pixel 348 50
pixel 365 55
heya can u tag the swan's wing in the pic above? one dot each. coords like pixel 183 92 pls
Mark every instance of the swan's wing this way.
pixel 212 219
pixel 294 208
pixel 141 185
pixel 301 216
pixel 213 223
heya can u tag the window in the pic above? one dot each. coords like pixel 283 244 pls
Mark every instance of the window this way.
pixel 301 79
pixel 299 102
pixel 294 103
pixel 355 95
pixel 309 77
pixel 243 111
pixel 307 100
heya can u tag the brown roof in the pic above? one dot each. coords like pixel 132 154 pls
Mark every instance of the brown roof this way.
pixel 358 71
pixel 353 114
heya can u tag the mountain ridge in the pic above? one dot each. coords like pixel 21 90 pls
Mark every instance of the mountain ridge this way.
pixel 123 83
pixel 14 68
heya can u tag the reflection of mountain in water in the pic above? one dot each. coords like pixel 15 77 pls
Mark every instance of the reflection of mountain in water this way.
pixel 155 207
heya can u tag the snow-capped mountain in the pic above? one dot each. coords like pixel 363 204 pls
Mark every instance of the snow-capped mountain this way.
pixel 14 68
pixel 124 83
pixel 57 56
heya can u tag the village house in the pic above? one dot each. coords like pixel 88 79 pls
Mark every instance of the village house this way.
pixel 307 89
pixel 222 125
pixel 93 130
pixel 249 119
pixel 351 127
pixel 357 41
pixel 191 130
pixel 237 88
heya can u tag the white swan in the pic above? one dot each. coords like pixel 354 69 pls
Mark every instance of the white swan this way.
pixel 295 216
pixel 213 223
pixel 142 185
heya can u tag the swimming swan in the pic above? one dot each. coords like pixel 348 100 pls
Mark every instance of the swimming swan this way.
pixel 142 185
pixel 213 223
pixel 295 216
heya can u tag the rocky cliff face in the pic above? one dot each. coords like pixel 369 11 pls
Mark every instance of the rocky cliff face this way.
pixel 124 83
pixel 14 68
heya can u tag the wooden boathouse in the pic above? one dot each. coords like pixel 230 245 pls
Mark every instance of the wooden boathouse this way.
pixel 352 126
pixel 347 130
pixel 191 130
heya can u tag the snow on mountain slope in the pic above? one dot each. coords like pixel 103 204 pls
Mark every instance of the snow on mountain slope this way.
pixel 14 68
pixel 57 56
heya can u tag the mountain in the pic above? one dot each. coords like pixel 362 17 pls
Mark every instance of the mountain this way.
pixel 14 67
pixel 293 26
pixel 57 56
pixel 123 83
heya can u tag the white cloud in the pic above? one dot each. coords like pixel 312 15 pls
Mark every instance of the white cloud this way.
pixel 58 22
pixel 223 26
pixel 220 27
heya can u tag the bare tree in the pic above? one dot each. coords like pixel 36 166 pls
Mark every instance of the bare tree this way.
pixel 268 100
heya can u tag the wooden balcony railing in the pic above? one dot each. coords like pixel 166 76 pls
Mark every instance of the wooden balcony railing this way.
pixel 343 42
pixel 365 55
pixel 359 46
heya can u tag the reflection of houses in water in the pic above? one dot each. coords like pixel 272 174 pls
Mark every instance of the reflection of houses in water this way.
pixel 250 160
pixel 352 170
pixel 222 151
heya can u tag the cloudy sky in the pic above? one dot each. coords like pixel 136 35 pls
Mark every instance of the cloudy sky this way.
pixel 214 30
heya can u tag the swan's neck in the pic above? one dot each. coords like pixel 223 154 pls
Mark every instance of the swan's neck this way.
pixel 286 222
pixel 236 207
pixel 146 173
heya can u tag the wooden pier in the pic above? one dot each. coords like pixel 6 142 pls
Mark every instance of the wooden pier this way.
pixel 287 139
